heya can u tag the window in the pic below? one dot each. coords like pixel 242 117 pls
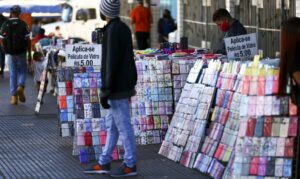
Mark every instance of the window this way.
pixel 66 14
pixel 85 14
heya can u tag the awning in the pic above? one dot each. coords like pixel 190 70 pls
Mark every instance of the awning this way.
pixel 32 6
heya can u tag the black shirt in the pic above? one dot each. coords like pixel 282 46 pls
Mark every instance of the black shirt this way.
pixel 296 65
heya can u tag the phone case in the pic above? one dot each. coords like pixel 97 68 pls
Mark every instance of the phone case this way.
pixel 279 167
pixel 261 86
pixel 250 127
pixel 259 127
pixel 254 166
pixel 293 126
pixel 270 166
pixel 276 127
pixel 284 127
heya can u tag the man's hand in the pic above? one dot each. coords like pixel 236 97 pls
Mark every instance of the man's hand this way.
pixel 104 102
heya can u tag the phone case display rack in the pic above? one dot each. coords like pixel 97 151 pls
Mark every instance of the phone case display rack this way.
pixel 90 128
pixel 152 106
pixel 250 131
pixel 65 100
pixel 180 71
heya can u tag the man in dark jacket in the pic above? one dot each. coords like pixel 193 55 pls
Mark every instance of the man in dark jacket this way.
pixel 15 38
pixel 119 76
pixel 230 26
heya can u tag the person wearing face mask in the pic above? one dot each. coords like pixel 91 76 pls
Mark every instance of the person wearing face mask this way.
pixel 228 25
pixel 119 77
pixel 165 26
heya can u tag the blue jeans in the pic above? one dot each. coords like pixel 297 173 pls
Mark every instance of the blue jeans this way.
pixel 17 71
pixel 118 123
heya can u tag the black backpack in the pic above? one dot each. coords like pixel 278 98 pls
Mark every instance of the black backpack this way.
pixel 14 41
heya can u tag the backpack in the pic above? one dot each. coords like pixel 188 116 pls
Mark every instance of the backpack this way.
pixel 14 41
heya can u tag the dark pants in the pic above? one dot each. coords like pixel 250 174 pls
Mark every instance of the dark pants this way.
pixel 142 39
pixel 2 60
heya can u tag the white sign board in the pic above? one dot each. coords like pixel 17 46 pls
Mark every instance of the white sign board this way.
pixel 155 2
pixel 241 47
pixel 206 3
pixel 258 3
pixel 83 55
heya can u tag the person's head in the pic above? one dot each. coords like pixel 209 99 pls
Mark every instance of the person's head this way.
pixel 15 11
pixel 57 28
pixel 109 9
pixel 37 56
pixel 42 31
pixel 141 2
pixel 223 19
pixel 167 14
pixel 289 42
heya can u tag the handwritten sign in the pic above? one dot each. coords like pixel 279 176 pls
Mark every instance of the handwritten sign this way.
pixel 83 55
pixel 242 47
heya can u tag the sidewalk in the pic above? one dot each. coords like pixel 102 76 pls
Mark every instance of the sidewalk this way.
pixel 30 146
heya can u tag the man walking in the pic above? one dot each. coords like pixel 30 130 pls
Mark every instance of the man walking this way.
pixel 119 76
pixel 16 41
pixel 142 18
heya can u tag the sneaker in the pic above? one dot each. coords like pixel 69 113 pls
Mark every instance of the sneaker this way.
pixel 14 100
pixel 98 169
pixel 20 93
pixel 124 171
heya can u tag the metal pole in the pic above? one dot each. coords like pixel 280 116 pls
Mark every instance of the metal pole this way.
pixel 206 25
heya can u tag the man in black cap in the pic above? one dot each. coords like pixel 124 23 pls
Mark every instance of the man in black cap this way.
pixel 16 41
pixel 119 77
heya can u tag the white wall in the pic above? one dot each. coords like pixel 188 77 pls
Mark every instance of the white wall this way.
pixel 298 8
